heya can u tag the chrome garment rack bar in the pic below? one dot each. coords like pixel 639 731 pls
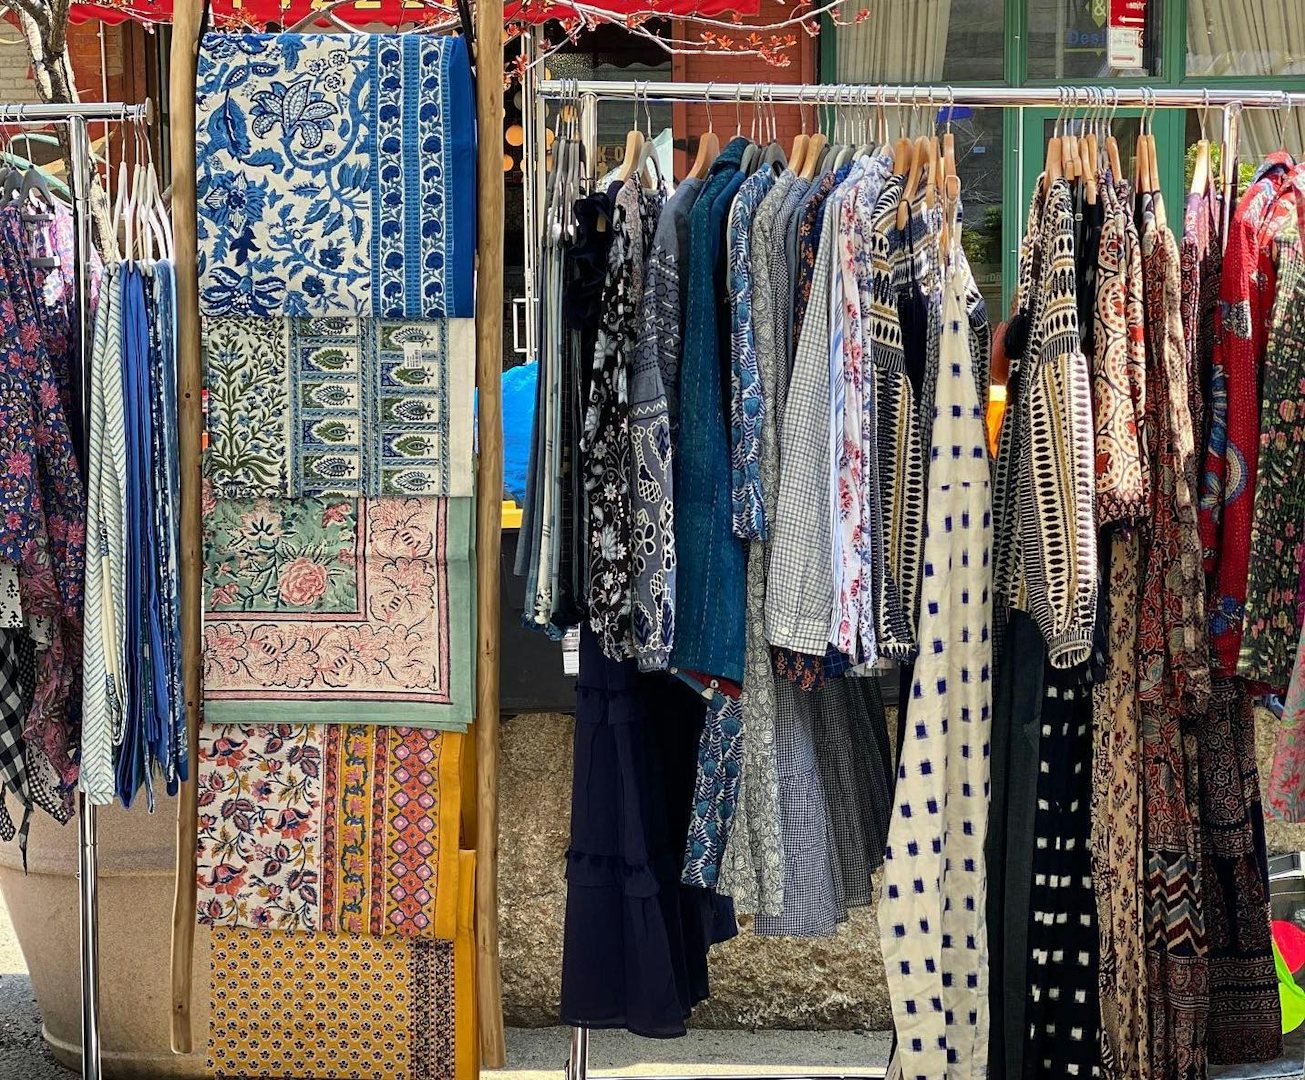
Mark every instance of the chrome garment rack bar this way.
pixel 538 92
pixel 859 94
pixel 81 166
pixel 577 1068
pixel 91 112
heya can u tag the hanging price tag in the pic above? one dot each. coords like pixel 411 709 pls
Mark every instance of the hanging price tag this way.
pixel 571 651
pixel 1126 34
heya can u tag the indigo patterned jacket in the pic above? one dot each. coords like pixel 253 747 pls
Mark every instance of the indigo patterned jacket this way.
pixel 652 417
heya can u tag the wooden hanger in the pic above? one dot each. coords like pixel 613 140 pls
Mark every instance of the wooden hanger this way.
pixel 1201 168
pixel 902 148
pixel 1153 168
pixel 708 145
pixel 1053 164
pixel 1069 154
pixel 932 176
pixel 1112 144
pixel 633 155
pixel 919 161
pixel 951 181
pixel 797 155
pixel 1141 174
pixel 902 156
pixel 947 161
pixel 1091 149
pixel 815 148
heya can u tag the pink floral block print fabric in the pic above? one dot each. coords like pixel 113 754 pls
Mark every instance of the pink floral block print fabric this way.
pixel 328 610
pixel 329 827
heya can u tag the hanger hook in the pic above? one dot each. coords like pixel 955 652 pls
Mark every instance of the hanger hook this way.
pixel 951 108
pixel 1205 112
pixel 738 110
pixel 706 94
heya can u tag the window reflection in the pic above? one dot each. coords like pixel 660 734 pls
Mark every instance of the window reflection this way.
pixel 921 41
pixel 1069 39
pixel 1237 37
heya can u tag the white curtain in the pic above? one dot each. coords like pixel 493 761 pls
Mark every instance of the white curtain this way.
pixel 900 41
pixel 1245 37
pixel 1251 37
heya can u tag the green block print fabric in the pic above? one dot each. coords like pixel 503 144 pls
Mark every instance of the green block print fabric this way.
pixel 341 406
pixel 340 610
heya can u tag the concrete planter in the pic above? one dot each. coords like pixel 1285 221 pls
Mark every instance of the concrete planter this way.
pixel 136 855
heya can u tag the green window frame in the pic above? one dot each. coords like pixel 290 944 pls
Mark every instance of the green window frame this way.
pixel 1022 127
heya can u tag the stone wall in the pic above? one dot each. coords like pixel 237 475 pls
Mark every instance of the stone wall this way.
pixel 833 984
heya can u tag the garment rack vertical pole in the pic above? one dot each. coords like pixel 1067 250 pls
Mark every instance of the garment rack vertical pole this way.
pixel 183 60
pixel 489 517
pixel 82 174
pixel 536 93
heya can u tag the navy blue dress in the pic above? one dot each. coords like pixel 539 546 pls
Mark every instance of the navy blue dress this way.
pixel 636 940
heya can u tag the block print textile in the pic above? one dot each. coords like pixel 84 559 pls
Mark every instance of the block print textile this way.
pixel 331 828
pixel 313 1007
pixel 336 175
pixel 360 407
pixel 338 611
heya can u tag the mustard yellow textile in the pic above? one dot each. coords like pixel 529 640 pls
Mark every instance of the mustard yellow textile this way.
pixel 300 1006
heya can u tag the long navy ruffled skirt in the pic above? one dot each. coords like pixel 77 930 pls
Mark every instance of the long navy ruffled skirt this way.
pixel 636 940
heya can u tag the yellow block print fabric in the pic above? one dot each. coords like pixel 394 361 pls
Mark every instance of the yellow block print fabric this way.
pixel 464 957
pixel 329 827
pixel 299 1006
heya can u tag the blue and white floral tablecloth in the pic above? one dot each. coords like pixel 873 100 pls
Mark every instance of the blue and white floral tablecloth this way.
pixel 336 175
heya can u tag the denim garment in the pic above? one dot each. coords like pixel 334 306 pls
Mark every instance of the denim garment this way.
pixel 710 580
pixel 671 273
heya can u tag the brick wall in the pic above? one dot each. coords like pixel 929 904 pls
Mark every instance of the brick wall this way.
pixel 691 120
pixel 15 73
pixel 123 62
pixel 120 70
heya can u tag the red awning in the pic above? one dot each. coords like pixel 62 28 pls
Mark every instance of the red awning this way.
pixel 261 13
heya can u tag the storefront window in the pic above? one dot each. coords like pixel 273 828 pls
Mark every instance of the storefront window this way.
pixel 1237 37
pixel 1072 40
pixel 921 41
pixel 940 42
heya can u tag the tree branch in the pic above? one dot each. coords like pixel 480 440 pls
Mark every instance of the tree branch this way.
pixel 47 49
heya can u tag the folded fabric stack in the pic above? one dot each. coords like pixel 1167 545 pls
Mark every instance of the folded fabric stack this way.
pixel 337 228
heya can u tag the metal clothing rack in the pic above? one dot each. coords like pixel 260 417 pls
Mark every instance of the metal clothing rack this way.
pixel 81 167
pixel 906 95
pixel 587 93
